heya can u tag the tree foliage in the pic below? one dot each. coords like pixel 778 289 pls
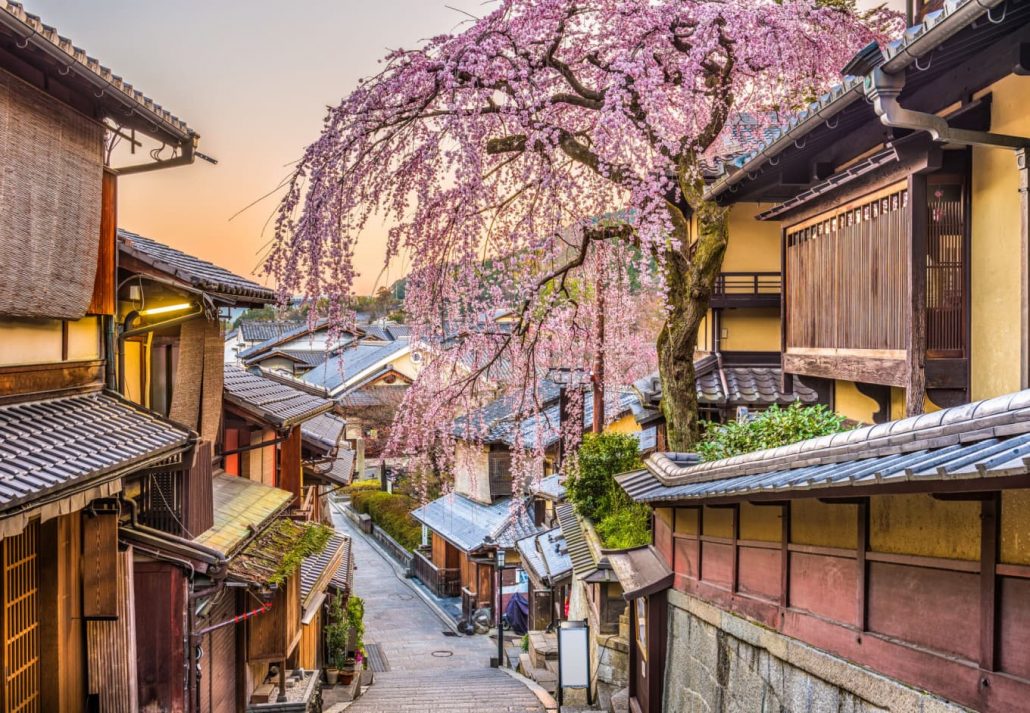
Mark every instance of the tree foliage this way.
pixel 545 141
pixel 771 428
pixel 591 486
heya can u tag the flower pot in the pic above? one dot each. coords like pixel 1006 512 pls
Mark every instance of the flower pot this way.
pixel 346 676
pixel 331 675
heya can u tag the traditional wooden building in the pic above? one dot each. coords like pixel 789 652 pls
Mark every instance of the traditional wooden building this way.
pixel 899 547
pixel 70 444
pixel 897 202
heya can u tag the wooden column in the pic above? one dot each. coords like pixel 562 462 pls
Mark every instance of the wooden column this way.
pixel 862 541
pixel 735 575
pixel 989 521
pixel 785 558
pixel 62 648
pixel 1024 263
pixel 915 391
pixel 290 471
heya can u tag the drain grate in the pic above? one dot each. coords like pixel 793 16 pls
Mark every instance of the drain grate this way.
pixel 376 658
pixel 448 632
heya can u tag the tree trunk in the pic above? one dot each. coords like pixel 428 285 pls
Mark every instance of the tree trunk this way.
pixel 691 274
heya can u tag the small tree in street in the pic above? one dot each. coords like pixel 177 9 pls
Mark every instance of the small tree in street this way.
pixel 547 160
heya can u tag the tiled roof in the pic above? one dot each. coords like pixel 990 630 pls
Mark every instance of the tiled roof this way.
pixel 51 445
pixel 916 42
pixel 199 274
pixel 724 386
pixel 356 359
pixel 75 60
pixel 546 556
pixel 325 430
pixel 550 487
pixel 640 571
pixel 470 525
pixel 270 401
pixel 580 553
pixel 985 439
pixel 261 561
pixel 317 571
pixel 242 507
pixel 373 396
pixel 304 357
pixel 253 330
pixel 294 339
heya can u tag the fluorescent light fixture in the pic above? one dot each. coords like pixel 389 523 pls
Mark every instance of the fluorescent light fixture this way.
pixel 166 309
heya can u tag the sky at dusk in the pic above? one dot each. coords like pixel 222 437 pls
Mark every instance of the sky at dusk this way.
pixel 253 78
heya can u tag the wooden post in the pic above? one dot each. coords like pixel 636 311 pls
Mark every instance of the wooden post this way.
pixel 785 557
pixel 915 392
pixel 290 473
pixel 989 509
pixel 1024 262
pixel 860 562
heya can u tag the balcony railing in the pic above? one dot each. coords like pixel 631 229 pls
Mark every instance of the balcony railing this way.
pixel 747 289
pixel 441 582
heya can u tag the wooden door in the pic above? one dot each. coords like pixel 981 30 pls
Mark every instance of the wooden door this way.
pixel 21 622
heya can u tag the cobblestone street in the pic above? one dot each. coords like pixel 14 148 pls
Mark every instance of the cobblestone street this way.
pixel 428 671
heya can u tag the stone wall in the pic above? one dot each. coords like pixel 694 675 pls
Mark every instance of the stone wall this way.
pixel 721 663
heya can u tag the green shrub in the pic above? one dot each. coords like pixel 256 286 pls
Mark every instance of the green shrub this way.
pixel 360 486
pixel 392 512
pixel 771 428
pixel 592 487
pixel 627 527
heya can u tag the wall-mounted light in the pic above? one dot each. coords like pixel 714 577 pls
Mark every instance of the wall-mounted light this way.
pixel 166 309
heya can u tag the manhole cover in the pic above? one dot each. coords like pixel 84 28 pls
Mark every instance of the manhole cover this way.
pixel 442 654
pixel 402 596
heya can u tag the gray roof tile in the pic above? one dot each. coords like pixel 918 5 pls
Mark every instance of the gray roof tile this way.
pixel 200 274
pixel 48 445
pixel 470 525
pixel 271 401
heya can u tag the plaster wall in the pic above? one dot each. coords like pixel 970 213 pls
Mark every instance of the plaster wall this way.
pixel 994 266
pixel 30 341
pixel 1015 527
pixel 750 330
pixel 625 424
pixel 472 472
pixel 721 662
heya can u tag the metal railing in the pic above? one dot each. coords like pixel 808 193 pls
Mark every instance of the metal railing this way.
pixel 440 581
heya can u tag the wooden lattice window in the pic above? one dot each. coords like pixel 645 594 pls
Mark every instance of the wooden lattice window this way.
pixel 21 621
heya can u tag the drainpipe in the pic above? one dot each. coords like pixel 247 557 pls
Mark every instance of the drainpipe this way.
pixel 883 89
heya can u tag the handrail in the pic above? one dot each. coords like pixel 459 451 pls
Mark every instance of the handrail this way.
pixel 743 284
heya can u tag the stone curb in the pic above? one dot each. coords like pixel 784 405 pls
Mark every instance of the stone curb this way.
pixel 398 571
pixel 549 704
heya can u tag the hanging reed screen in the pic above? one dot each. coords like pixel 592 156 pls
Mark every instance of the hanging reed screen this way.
pixel 847 276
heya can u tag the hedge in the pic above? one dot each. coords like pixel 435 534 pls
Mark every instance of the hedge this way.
pixel 392 512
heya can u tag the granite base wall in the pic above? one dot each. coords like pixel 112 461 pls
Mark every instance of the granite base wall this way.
pixel 721 663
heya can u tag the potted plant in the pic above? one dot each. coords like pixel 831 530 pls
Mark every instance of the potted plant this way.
pixel 336 635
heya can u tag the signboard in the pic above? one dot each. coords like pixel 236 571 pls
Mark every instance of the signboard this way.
pixel 573 654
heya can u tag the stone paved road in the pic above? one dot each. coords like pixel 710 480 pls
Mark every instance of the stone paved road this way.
pixel 429 672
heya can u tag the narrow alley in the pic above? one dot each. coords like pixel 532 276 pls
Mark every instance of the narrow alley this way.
pixel 427 670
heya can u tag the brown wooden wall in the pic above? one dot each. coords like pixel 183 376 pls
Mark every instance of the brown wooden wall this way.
pixel 218 666
pixel 63 651
pixel 273 635
pixel 909 585
pixel 112 647
pixel 846 280
pixel 160 593
pixel 291 472
pixel 308 654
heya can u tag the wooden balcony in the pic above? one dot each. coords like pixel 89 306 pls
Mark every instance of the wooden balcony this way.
pixel 747 289
pixel 441 582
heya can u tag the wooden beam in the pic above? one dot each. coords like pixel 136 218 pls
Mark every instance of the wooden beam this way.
pixel 852 366
pixel 785 557
pixel 735 555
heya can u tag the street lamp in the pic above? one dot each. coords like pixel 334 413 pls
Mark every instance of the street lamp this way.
pixel 500 600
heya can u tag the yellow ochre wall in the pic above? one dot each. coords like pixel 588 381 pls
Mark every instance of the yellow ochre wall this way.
pixel 38 341
pixel 995 323
pixel 754 246
pixel 625 424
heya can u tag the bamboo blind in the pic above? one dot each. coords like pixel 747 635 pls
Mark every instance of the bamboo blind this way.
pixel 847 274
pixel 50 202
